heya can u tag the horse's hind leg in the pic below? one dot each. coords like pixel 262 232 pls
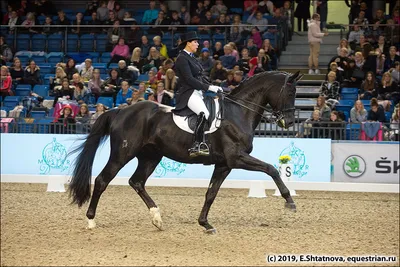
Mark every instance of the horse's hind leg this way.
pixel 114 164
pixel 146 165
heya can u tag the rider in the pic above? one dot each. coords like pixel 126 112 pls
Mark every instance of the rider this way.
pixel 192 83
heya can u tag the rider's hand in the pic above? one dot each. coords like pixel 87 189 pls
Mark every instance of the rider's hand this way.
pixel 215 89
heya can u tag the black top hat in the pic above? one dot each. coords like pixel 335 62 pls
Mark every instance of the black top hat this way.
pixel 188 37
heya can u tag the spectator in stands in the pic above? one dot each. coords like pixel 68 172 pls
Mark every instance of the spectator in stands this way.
pixel 62 21
pixel 66 121
pixel 6 82
pixel 207 20
pixel 157 23
pixel 217 51
pixel 163 96
pixel 258 21
pixel 81 94
pixel 388 89
pixel 76 78
pixel 221 22
pixel 369 87
pixel 115 34
pixel 235 52
pixel 232 82
pixel 311 127
pixel 136 60
pixel 254 67
pixel 382 45
pixel 228 60
pixel 111 4
pixel 323 108
pixel 16 71
pixel 344 44
pixel 136 97
pixel 339 73
pixel 112 85
pixel 200 12
pixel 175 20
pixel 396 15
pixel 170 81
pixel 263 60
pixel 127 73
pixel 287 13
pixel 266 7
pixel 123 94
pixel 119 11
pixel 206 61
pixel 250 6
pixel 218 73
pixel 152 82
pixel 91 6
pixel 93 22
pixel 256 37
pixel 100 109
pixel 314 38
pixel 133 36
pixel 144 47
pixel 395 72
pixel 244 61
pixel 330 88
pixel 378 20
pixel 63 90
pixel 270 51
pixel 358 113
pixel 335 122
pixel 394 134
pixel 7 15
pixel 359 60
pixel 150 14
pixel 302 13
pixel 219 8
pixel 392 32
pixel 228 82
pixel 120 52
pixel 13 21
pixel 28 23
pixel 361 20
pixel 58 78
pixel 23 8
pixel 32 74
pixel 380 62
pixel 161 48
pixel 83 115
pixel 184 15
pixel 77 23
pixel 376 113
pixel 207 5
pixel 69 68
pixel 102 11
pixel 127 18
pixel 355 36
pixel 341 60
pixel 392 58
pixel 47 28
pixel 95 84
pixel 6 54
pixel 87 70
pixel 152 60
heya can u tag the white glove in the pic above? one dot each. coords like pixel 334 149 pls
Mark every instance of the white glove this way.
pixel 215 89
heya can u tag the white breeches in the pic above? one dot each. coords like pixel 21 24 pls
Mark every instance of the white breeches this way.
pixel 196 103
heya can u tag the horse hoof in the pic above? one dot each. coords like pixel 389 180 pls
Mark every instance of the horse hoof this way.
pixel 290 206
pixel 157 222
pixel 91 224
pixel 212 231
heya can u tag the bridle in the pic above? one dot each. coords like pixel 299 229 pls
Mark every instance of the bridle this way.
pixel 278 114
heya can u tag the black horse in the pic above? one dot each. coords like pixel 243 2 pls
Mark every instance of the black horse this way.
pixel 146 131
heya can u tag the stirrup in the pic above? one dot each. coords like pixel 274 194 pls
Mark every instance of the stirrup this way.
pixel 200 149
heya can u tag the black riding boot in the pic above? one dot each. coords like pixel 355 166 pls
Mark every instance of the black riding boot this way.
pixel 199 148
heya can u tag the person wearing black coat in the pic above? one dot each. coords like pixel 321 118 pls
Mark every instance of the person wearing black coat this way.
pixel 302 13
pixel 191 85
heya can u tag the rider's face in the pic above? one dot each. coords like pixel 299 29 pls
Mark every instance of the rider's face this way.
pixel 192 46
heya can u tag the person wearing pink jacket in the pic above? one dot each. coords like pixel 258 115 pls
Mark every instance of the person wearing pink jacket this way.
pixel 314 39
pixel 120 52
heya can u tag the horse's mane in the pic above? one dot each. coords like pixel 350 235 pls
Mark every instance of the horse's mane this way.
pixel 251 82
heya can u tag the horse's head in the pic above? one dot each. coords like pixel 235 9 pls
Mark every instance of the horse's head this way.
pixel 284 108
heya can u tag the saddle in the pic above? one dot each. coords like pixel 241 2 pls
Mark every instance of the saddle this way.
pixel 186 119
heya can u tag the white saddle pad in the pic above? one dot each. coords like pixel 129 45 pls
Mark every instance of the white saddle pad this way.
pixel 183 123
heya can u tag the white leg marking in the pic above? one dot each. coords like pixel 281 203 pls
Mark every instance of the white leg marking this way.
pixel 91 224
pixel 155 214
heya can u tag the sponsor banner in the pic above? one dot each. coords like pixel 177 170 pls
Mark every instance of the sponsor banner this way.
pixel 47 154
pixel 366 162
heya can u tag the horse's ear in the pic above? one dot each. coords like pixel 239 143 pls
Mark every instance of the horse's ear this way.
pixel 295 77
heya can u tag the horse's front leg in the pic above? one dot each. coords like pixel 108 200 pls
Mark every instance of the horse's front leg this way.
pixel 247 162
pixel 218 177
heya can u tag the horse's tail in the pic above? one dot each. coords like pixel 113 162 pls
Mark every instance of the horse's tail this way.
pixel 79 187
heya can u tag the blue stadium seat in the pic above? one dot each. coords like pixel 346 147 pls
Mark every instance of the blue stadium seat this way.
pixel 38 59
pixel 46 68
pixel 105 57
pixel 38 114
pixel 143 78
pixel 113 66
pixel 236 10
pixel 23 89
pixel 349 96
pixel 94 56
pixel 47 78
pixel 42 90
pixel 86 43
pixel 104 76
pixel 11 101
pixel 101 42
pixel 24 42
pixel 388 116
pixel 41 19
pixel 10 38
pixel 347 90
pixel 219 38
pixel 55 43
pixel 55 57
pixel 100 66
pixel 106 101
pixel 72 42
pixel 39 42
pixel 24 59
pixel 86 19
pixel 346 102
pixel 23 127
